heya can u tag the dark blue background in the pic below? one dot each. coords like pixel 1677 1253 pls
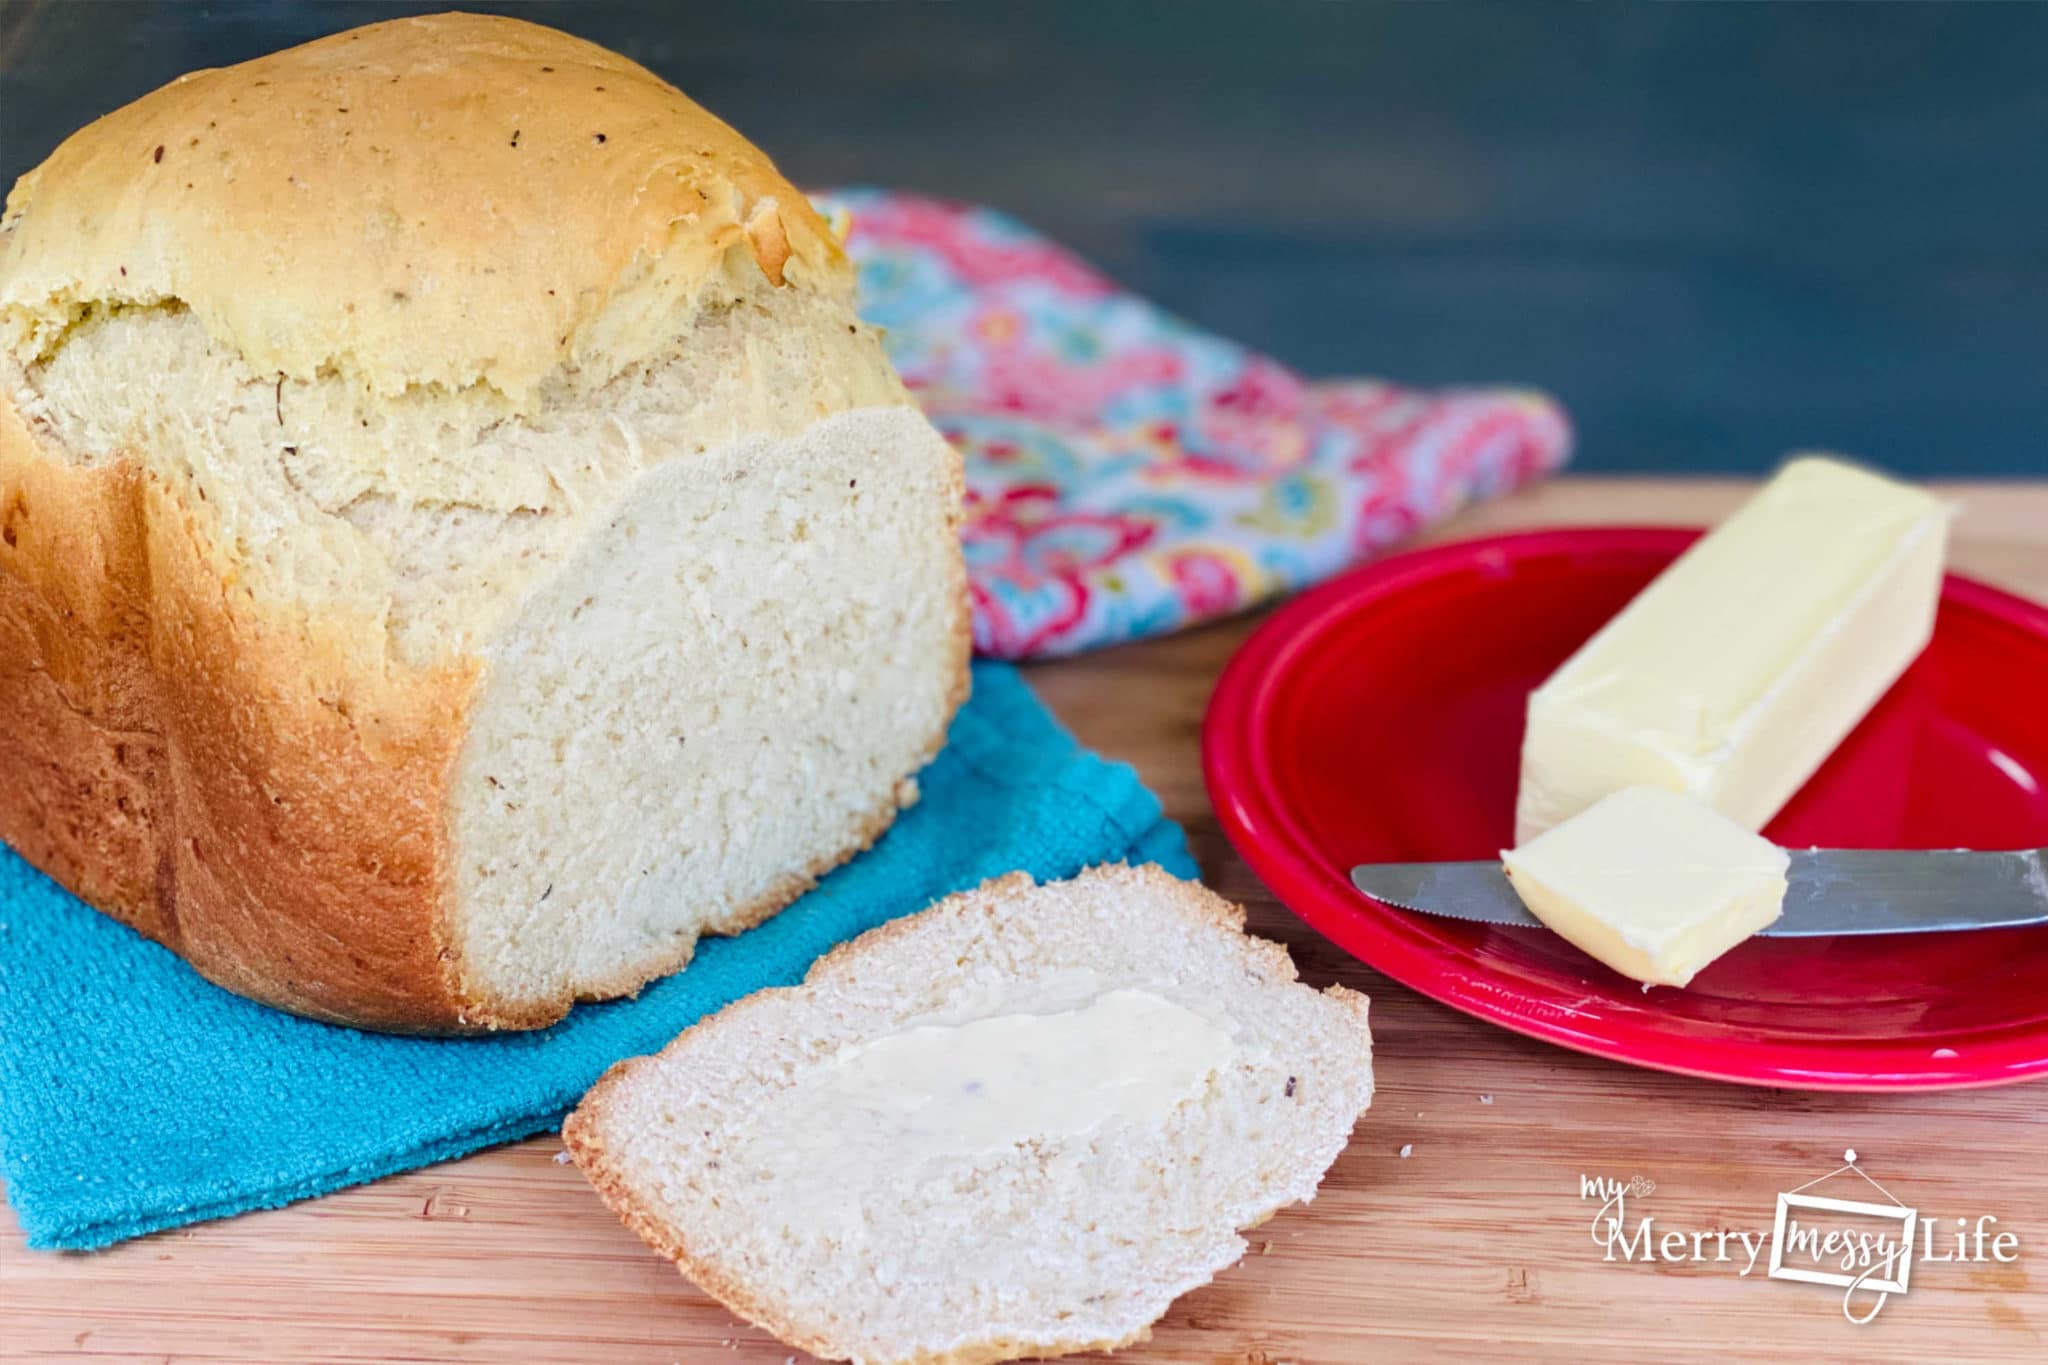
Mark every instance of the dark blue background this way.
pixel 1717 232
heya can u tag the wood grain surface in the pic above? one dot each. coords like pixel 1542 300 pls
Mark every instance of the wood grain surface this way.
pixel 1472 1246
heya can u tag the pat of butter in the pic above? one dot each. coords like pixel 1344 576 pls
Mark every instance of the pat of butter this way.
pixel 1735 674
pixel 1654 884
pixel 940 1090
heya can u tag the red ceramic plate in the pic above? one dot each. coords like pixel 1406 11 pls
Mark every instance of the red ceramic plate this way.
pixel 1379 719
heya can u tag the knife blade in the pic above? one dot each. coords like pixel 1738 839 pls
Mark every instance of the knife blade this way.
pixel 1829 891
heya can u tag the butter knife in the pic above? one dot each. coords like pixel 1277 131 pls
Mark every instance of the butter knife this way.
pixel 1829 892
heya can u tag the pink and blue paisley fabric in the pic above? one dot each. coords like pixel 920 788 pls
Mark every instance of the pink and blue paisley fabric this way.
pixel 1127 474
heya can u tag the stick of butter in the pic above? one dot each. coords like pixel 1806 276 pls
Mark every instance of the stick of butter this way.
pixel 1654 884
pixel 1736 673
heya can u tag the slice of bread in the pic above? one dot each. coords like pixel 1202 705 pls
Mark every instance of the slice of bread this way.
pixel 1020 1123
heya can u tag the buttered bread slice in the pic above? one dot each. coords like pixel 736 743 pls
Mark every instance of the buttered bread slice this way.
pixel 1018 1124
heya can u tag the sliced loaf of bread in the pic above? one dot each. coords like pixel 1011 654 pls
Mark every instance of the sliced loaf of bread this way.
pixel 1020 1123
pixel 458 543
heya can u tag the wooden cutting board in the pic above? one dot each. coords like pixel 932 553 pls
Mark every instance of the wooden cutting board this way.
pixel 1452 1228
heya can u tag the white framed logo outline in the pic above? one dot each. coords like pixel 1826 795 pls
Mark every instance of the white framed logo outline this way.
pixel 1908 1219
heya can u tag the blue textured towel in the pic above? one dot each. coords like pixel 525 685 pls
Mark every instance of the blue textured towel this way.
pixel 135 1096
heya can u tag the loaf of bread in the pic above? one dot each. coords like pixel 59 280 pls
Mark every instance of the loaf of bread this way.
pixel 1020 1123
pixel 457 542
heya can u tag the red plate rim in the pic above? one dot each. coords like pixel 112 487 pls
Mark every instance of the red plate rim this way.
pixel 1273 843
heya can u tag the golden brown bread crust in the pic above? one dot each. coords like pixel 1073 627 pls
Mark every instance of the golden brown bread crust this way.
pixel 573 208
pixel 260 789
pixel 221 784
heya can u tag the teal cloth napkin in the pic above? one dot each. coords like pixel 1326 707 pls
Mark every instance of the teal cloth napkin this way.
pixel 135 1096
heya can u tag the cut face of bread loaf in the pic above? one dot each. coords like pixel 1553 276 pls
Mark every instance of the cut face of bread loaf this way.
pixel 1019 1123
pixel 457 542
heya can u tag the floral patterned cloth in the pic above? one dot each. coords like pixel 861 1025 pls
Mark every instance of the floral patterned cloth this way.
pixel 1127 474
